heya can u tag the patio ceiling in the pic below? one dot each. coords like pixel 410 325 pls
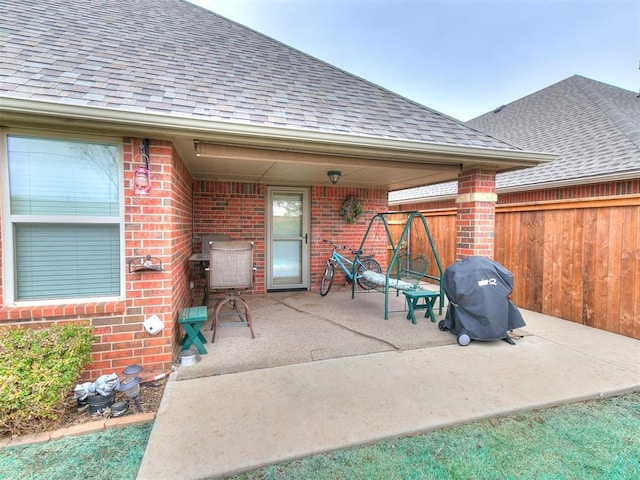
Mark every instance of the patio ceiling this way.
pixel 363 162
pixel 295 157
pixel 228 162
pixel 278 156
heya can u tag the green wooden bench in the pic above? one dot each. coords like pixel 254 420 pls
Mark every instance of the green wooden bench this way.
pixel 413 302
pixel 192 319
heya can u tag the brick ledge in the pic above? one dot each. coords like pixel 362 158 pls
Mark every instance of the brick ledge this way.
pixel 75 430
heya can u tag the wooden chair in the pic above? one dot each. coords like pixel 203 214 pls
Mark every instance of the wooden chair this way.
pixel 231 271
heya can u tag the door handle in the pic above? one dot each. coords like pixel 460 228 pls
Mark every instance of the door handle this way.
pixel 306 238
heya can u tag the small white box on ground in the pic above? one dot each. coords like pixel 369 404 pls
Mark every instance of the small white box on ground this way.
pixel 153 325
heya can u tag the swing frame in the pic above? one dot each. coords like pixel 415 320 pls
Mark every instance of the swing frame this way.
pixel 396 266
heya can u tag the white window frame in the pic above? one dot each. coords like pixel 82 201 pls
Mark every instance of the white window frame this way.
pixel 8 220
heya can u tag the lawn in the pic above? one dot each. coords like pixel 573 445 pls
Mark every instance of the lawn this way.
pixel 598 439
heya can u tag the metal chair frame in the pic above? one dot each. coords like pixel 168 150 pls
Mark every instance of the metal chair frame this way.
pixel 231 271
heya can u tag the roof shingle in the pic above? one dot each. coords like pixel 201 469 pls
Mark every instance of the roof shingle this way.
pixel 594 128
pixel 174 58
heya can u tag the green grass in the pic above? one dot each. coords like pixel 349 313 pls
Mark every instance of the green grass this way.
pixel 113 454
pixel 589 440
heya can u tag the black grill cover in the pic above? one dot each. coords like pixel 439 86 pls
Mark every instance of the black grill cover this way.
pixel 478 289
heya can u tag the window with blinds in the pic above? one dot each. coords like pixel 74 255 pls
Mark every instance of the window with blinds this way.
pixel 65 214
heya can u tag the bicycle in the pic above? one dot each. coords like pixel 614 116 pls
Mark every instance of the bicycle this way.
pixel 362 264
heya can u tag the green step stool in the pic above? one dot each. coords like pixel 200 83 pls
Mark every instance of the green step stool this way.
pixel 413 302
pixel 192 319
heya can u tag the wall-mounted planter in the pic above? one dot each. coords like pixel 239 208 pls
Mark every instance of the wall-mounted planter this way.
pixel 145 264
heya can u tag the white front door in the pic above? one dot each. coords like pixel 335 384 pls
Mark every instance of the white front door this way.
pixel 288 226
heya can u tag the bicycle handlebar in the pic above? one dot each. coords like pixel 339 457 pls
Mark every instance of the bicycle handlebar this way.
pixel 343 247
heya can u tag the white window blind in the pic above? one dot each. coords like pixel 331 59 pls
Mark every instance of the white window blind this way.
pixel 65 213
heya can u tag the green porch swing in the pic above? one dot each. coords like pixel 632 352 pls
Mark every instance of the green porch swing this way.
pixel 408 268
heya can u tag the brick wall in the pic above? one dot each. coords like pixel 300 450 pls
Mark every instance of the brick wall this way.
pixel 181 208
pixel 239 209
pixel 326 223
pixel 156 224
pixel 235 209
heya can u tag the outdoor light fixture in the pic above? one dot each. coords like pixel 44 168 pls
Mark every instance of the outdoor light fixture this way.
pixel 334 176
pixel 131 388
pixel 196 147
pixel 142 182
pixel 142 174
pixel 132 370
pixel 131 384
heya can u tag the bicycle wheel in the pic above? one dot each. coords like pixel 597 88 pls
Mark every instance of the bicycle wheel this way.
pixel 327 279
pixel 363 265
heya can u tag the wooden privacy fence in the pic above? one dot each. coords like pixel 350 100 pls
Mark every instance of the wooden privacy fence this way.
pixel 418 242
pixel 578 260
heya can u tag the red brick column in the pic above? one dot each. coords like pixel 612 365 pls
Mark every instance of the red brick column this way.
pixel 475 220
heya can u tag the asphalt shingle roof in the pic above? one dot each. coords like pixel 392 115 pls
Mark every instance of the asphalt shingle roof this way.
pixel 594 128
pixel 171 57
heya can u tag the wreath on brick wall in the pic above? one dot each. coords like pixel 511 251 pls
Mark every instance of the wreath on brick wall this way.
pixel 351 209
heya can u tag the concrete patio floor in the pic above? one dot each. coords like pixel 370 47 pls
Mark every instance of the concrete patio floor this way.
pixel 326 373
pixel 300 327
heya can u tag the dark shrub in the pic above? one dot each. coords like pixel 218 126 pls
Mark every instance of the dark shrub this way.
pixel 38 371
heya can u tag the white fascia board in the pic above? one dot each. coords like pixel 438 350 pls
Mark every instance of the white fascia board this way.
pixel 283 138
pixel 435 198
